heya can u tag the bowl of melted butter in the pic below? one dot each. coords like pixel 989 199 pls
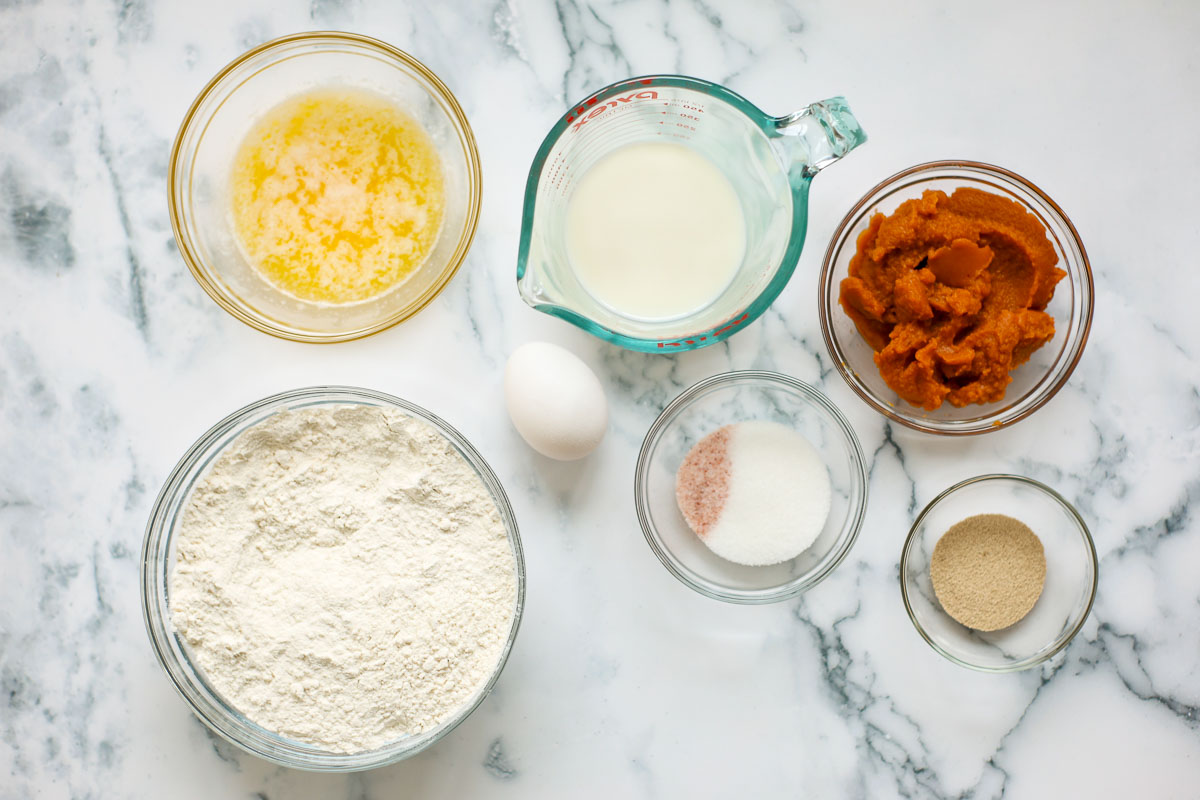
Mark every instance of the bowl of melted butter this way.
pixel 324 186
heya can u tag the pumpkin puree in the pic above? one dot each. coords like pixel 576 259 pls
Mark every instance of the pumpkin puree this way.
pixel 950 292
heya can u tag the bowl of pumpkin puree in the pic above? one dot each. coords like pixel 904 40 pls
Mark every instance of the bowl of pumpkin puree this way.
pixel 956 297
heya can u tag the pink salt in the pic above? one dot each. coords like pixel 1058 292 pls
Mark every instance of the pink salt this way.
pixel 702 483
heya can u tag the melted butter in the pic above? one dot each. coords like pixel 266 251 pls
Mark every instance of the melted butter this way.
pixel 338 195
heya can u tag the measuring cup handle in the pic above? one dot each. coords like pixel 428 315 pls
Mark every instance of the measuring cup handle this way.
pixel 819 135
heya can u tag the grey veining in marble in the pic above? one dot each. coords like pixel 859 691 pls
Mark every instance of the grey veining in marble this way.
pixel 623 682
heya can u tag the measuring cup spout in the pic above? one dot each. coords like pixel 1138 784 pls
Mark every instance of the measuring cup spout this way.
pixel 819 135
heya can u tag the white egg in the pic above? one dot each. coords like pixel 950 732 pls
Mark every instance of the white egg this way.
pixel 555 401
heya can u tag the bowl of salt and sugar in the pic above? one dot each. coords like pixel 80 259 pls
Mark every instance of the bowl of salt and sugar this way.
pixel 750 487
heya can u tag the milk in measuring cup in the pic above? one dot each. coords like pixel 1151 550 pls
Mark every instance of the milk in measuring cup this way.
pixel 655 230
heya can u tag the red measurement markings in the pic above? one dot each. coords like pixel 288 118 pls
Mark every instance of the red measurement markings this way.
pixel 592 110
pixel 724 328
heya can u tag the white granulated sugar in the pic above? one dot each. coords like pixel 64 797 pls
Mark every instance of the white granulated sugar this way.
pixel 779 496
pixel 343 577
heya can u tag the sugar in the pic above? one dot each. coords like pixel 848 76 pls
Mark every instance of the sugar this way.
pixel 756 493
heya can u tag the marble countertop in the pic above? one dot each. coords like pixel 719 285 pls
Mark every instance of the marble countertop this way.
pixel 623 682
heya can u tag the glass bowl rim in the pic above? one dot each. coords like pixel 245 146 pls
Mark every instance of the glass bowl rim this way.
pixel 217 715
pixel 856 514
pixel 198 266
pixel 1080 525
pixel 998 420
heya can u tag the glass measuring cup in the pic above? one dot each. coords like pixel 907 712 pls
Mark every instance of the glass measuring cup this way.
pixel 770 161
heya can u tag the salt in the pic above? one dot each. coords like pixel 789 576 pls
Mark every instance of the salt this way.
pixel 756 493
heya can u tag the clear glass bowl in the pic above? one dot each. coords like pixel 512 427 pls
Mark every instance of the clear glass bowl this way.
pixel 1035 381
pixel 1071 569
pixel 202 159
pixel 739 397
pixel 158 558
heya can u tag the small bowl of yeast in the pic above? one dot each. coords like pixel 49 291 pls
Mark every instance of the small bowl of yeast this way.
pixel 1066 595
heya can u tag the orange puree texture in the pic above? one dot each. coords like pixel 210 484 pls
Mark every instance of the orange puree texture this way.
pixel 950 292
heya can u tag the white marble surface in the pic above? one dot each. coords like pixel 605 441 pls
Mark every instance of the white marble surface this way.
pixel 623 683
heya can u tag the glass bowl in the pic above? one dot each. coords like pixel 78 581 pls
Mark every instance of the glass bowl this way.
pixel 198 179
pixel 158 558
pixel 1035 381
pixel 1066 599
pixel 738 397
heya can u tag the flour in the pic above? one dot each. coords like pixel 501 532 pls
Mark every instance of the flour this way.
pixel 343 577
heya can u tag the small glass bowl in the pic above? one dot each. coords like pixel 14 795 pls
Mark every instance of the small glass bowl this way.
pixel 158 555
pixel 1071 569
pixel 202 159
pixel 1035 381
pixel 739 397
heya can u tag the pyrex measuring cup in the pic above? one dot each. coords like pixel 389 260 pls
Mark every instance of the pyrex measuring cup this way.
pixel 770 162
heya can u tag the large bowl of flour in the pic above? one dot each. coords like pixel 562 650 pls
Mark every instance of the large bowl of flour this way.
pixel 332 578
